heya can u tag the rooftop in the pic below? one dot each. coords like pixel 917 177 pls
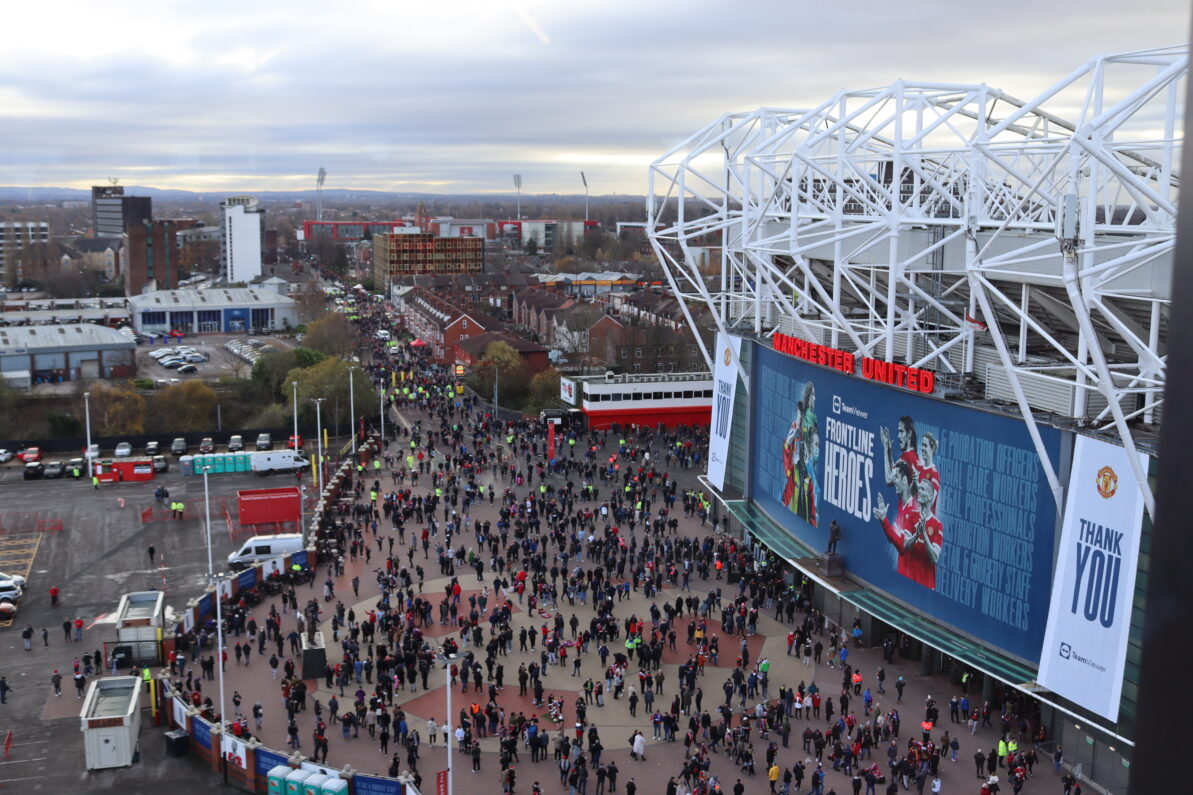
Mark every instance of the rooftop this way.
pixel 211 298
pixel 26 338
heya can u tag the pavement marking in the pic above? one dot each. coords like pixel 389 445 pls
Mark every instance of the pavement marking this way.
pixel 19 761
pixel 17 553
pixel 26 778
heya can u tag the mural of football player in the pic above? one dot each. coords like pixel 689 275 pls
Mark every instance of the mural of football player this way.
pixel 801 453
pixel 916 534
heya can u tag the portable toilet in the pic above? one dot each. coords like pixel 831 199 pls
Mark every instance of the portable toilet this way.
pixel 221 462
pixel 243 462
pixel 314 784
pixel 187 464
pixel 295 779
pixel 111 721
pixel 277 779
pixel 335 786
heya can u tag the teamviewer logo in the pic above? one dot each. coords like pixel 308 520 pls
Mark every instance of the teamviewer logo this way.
pixel 836 404
pixel 1066 651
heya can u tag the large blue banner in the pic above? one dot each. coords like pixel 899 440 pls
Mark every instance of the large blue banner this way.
pixel 376 785
pixel 201 732
pixel 944 507
pixel 267 760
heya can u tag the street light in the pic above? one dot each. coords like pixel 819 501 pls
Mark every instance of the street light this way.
pixel 318 444
pixel 352 408
pixel 451 734
pixel 295 440
pixel 381 400
pixel 219 612
pixel 87 454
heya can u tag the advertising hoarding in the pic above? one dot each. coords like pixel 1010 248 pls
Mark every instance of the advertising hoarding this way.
pixel 1085 646
pixel 567 391
pixel 943 507
pixel 724 394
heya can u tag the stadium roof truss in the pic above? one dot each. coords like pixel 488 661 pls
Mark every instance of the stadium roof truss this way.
pixel 1022 250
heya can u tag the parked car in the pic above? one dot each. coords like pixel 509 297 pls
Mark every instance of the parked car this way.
pixel 34 470
pixel 76 468
pixel 161 463
pixel 124 450
pixel 30 454
pixel 178 446
pixel 207 445
pixel 92 451
pixel 295 443
pixel 10 591
pixel 17 579
pixel 152 448
pixel 5 456
pixel 53 469
pixel 172 364
pixel 236 444
pixel 264 441
pixel 195 358
pixel 187 369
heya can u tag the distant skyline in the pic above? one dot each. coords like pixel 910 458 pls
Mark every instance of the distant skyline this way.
pixel 457 96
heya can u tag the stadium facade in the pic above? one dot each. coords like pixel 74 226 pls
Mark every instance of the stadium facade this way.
pixel 942 324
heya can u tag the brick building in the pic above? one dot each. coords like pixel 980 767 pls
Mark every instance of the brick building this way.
pixel 407 252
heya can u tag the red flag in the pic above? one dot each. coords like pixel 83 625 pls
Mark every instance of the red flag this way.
pixel 7 743
pixel 975 323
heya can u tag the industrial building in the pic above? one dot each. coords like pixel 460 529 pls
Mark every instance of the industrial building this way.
pixel 216 309
pixel 942 319
pixel 349 231
pixel 49 354
pixel 242 229
pixel 409 251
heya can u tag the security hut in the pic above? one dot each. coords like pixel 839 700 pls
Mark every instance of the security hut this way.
pixel 139 620
pixel 111 719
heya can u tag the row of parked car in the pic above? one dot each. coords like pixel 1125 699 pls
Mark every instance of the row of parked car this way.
pixel 250 351
pixel 182 358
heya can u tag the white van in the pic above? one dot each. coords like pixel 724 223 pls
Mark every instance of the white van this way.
pixel 259 548
pixel 266 462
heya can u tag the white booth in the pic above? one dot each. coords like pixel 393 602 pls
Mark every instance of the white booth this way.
pixel 111 722
pixel 139 620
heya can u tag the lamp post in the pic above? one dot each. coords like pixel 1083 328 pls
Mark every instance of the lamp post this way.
pixel 318 444
pixel 294 384
pixel 219 614
pixel 381 400
pixel 87 454
pixel 451 733
pixel 584 179
pixel 352 408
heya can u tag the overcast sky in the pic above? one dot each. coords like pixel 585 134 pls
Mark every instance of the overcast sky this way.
pixel 455 96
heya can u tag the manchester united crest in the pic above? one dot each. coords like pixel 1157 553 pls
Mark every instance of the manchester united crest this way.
pixel 1107 482
pixel 728 357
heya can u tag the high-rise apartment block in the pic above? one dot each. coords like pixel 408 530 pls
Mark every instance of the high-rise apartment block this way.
pixel 152 256
pixel 112 213
pixel 408 251
pixel 15 236
pixel 242 226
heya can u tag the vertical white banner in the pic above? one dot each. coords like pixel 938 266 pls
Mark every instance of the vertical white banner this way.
pixel 724 391
pixel 1085 642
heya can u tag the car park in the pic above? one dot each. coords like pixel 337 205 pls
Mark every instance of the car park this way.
pixel 195 358
pixel 172 364
pixel 34 470
pixel 123 450
pixel 188 369
pixel 178 446
pixel 30 454
pixel 53 469
pixel 207 445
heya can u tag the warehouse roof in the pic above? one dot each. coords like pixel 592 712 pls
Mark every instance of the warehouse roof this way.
pixel 18 339
pixel 211 298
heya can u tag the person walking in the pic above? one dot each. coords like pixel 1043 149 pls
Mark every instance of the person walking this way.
pixel 56 681
pixel 152 552
pixel 4 688
pixel 27 637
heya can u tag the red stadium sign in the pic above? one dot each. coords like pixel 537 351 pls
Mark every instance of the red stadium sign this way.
pixel 900 375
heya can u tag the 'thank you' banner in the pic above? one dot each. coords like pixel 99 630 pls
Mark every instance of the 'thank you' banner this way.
pixel 942 506
pixel 724 393
pixel 1085 646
